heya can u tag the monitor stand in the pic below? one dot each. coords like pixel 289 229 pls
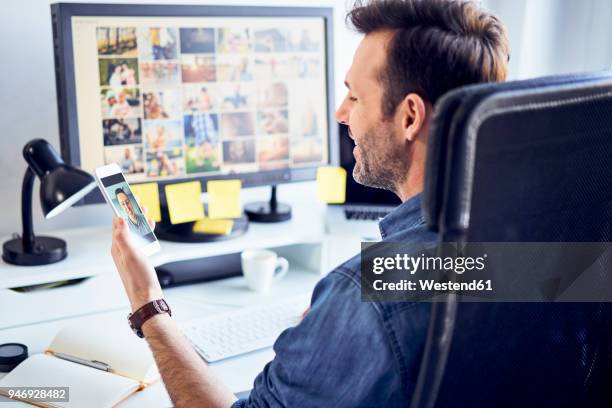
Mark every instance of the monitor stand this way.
pixel 167 231
pixel 268 211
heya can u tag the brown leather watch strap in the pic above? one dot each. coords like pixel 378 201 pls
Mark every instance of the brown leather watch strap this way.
pixel 140 316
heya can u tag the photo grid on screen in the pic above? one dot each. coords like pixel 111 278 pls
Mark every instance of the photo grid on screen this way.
pixel 196 100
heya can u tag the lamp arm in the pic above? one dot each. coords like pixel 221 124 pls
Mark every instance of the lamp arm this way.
pixel 27 235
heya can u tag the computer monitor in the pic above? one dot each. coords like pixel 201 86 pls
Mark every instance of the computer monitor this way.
pixel 176 93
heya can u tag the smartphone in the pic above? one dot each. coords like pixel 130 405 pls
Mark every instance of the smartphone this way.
pixel 119 196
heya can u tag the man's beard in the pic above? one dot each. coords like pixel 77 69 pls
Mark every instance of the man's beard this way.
pixel 380 164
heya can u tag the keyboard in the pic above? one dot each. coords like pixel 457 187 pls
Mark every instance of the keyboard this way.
pixel 242 331
pixel 365 214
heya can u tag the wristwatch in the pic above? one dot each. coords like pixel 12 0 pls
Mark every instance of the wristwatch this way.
pixel 140 316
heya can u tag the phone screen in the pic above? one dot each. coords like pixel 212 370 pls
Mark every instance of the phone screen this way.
pixel 121 198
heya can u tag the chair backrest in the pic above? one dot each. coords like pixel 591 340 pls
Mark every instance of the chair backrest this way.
pixel 525 161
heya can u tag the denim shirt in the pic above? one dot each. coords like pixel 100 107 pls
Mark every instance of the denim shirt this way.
pixel 345 352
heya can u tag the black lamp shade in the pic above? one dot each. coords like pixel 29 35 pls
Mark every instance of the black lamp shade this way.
pixel 63 187
pixel 60 185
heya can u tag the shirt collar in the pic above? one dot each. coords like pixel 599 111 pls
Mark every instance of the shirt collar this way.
pixel 406 216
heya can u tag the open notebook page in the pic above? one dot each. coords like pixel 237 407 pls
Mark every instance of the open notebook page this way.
pixel 88 387
pixel 110 340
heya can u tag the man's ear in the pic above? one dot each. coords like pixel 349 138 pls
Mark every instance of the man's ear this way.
pixel 414 116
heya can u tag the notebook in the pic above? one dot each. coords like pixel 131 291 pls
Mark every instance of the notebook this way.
pixel 106 340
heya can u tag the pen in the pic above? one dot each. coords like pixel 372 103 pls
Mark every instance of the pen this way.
pixel 90 363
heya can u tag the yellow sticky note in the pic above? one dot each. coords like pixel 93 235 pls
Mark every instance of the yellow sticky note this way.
pixel 210 226
pixel 148 196
pixel 224 198
pixel 331 184
pixel 184 202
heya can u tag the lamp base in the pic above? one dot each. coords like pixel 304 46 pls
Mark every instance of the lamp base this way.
pixel 46 250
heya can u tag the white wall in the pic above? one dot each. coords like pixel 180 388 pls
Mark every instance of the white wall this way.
pixel 28 108
pixel 550 37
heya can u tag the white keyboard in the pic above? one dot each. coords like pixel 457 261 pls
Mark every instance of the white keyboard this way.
pixel 242 331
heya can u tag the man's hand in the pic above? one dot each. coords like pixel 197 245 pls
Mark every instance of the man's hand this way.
pixel 137 274
pixel 188 379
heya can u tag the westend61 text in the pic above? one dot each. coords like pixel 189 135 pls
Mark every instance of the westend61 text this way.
pixel 432 285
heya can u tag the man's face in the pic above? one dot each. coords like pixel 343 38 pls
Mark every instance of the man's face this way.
pixel 126 204
pixel 381 153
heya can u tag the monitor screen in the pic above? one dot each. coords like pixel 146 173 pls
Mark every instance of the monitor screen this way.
pixel 171 97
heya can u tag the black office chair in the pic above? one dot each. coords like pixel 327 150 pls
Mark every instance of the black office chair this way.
pixel 525 161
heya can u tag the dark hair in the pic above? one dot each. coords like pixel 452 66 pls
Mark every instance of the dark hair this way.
pixel 120 191
pixel 438 45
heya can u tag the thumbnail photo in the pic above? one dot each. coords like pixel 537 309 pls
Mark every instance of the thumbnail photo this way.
pixel 273 121
pixel 302 67
pixel 237 96
pixel 201 159
pixel 122 103
pixel 272 95
pixel 202 142
pixel 118 72
pixel 308 118
pixel 163 134
pixel 201 127
pixel 309 123
pixel 234 68
pixel 158 43
pixel 198 68
pixel 233 40
pixel 162 104
pixel 163 73
pixel 303 40
pixel 239 151
pixel 197 40
pixel 165 163
pixel 121 131
pixel 274 67
pixel 200 97
pixel 117 41
pixel 129 158
pixel 270 40
pixel 237 124
pixel 306 151
pixel 272 149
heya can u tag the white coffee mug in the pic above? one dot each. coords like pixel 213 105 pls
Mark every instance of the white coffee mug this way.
pixel 261 267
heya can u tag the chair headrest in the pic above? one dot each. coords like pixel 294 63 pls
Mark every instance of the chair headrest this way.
pixel 454 114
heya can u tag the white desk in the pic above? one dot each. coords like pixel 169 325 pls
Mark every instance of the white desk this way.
pixel 187 302
pixel 34 318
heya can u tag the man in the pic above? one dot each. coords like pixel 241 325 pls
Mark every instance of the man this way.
pixel 136 221
pixel 348 353
pixel 127 162
pixel 204 124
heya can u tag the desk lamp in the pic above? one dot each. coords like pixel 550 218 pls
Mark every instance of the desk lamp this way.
pixel 60 187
